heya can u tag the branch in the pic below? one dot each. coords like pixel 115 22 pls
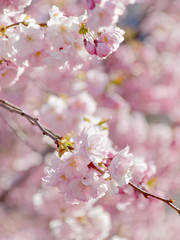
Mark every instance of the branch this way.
pixel 24 175
pixel 147 195
pixel 25 24
pixel 91 165
pixel 17 182
pixel 33 120
pixel 19 133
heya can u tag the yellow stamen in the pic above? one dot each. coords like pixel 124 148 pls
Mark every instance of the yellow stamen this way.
pixel 63 28
pixel 63 177
pixel 38 54
pixel 73 163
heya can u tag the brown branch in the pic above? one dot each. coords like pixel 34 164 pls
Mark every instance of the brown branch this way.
pixel 18 181
pixel 91 165
pixel 19 133
pixel 147 195
pixel 24 175
pixel 40 85
pixel 14 24
pixel 33 120
pixel 25 24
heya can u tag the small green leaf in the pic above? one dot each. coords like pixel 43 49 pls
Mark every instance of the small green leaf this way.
pixel 83 30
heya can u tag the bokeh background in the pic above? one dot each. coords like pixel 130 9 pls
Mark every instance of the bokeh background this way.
pixel 138 88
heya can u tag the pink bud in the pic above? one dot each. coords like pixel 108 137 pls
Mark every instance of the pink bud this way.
pixel 89 47
pixel 90 4
pixel 103 49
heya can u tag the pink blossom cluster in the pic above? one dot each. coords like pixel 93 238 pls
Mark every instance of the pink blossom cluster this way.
pixel 115 108
pixel 107 43
pixel 11 6
pixel 88 172
pixel 62 40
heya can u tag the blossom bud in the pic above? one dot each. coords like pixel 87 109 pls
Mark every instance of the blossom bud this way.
pixel 89 47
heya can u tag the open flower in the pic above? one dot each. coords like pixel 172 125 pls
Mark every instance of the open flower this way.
pixel 107 43
pixel 120 167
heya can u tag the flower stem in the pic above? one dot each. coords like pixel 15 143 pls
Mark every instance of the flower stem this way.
pixel 147 195
pixel 33 120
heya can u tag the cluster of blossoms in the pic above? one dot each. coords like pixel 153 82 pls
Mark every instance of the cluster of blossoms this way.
pixel 107 43
pixel 60 41
pixel 90 169
pixel 102 100
pixel 75 221
pixel 16 6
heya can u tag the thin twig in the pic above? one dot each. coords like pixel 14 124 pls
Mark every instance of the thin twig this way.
pixel 14 24
pixel 24 175
pixel 91 165
pixel 18 181
pixel 25 24
pixel 19 133
pixel 40 85
pixel 147 195
pixel 33 120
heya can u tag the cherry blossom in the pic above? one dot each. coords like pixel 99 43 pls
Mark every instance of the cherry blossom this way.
pixel 28 40
pixel 62 30
pixel 107 43
pixel 120 167
pixel 14 6
pixel 89 119
pixel 104 14
pixel 9 73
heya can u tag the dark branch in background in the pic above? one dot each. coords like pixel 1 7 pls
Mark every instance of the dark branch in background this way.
pixel 147 195
pixel 33 120
pixel 24 175
pixel 40 85
pixel 17 182
pixel 18 132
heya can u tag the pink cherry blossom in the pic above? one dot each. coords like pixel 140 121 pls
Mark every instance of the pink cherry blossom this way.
pixel 105 14
pixel 82 103
pixel 28 40
pixel 9 73
pixel 93 143
pixel 90 105
pixel 62 30
pixel 120 167
pixel 90 187
pixel 90 4
pixel 15 5
pixel 72 176
pixel 90 47
pixel 103 49
pixel 4 48
pixel 113 38
pixel 107 43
